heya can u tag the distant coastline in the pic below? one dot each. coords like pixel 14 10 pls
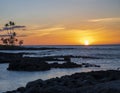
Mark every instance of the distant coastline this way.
pixel 46 47
pixel 77 45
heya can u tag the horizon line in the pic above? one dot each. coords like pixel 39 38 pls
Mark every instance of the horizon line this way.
pixel 72 45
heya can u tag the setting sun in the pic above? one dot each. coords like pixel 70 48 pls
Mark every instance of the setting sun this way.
pixel 86 42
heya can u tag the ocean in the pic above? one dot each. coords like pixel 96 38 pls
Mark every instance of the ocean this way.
pixel 107 56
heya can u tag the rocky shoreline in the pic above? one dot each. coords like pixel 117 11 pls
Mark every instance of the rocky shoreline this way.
pixel 90 82
pixel 17 62
pixel 42 66
pixel 18 57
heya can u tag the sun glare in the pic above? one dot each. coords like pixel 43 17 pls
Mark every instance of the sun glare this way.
pixel 86 42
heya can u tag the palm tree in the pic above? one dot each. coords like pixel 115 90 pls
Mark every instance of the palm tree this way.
pixel 11 40
pixel 20 42
pixel 12 33
pixel 6 26
pixel 10 23
pixel 13 24
pixel 5 41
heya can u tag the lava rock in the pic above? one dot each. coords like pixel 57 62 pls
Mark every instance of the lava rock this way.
pixel 90 82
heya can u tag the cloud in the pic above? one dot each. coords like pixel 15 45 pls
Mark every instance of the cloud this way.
pixel 14 27
pixel 24 35
pixel 105 24
pixel 4 35
pixel 46 28
pixel 43 30
pixel 105 20
pixel 53 29
pixel 43 34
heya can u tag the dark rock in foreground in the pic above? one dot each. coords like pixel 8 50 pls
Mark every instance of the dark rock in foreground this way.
pixel 91 82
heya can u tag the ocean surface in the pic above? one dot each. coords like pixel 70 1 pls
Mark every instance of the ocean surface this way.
pixel 107 56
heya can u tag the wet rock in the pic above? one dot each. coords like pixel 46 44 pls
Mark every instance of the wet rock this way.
pixel 21 89
pixel 29 66
pixel 65 65
pixel 10 57
pixel 76 83
pixel 37 82
pixel 39 64
pixel 89 65
pixel 67 59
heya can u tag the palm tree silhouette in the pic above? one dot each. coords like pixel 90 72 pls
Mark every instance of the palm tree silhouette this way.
pixel 5 41
pixel 12 24
pixel 20 42
pixel 11 40
pixel 6 26
pixel 12 33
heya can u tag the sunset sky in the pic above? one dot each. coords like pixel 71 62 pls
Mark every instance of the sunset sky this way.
pixel 64 22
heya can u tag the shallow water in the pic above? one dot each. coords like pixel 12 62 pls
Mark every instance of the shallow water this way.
pixel 109 58
pixel 10 80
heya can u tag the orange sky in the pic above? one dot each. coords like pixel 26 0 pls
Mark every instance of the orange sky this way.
pixel 64 22
pixel 96 31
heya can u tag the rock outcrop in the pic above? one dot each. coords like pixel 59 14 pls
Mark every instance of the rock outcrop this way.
pixel 91 82
pixel 38 64
pixel 10 57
